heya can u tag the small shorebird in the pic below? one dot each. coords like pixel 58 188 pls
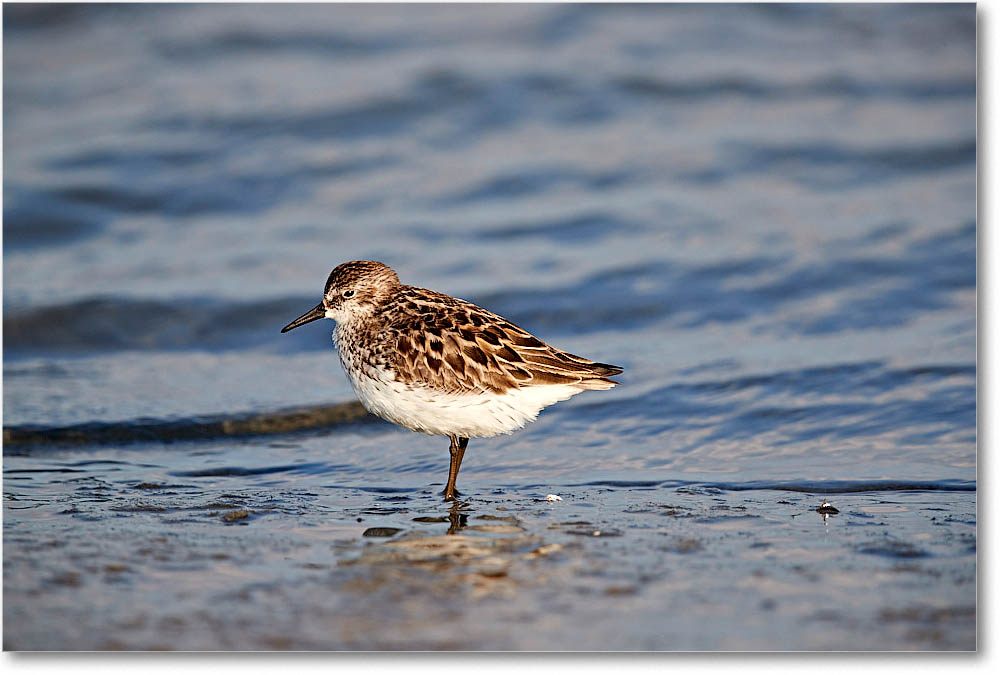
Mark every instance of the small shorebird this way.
pixel 443 366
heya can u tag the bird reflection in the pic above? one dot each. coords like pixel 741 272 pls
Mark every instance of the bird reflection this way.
pixel 457 520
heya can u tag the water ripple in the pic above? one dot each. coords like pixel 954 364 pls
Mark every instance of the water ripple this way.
pixel 813 487
pixel 18 438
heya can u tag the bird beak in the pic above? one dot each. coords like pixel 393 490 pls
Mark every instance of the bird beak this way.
pixel 317 312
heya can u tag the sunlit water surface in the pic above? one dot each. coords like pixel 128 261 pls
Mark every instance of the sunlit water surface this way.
pixel 764 214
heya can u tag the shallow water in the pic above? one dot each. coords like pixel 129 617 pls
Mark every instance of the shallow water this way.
pixel 292 556
pixel 765 214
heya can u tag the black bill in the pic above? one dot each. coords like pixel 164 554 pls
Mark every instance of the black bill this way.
pixel 317 312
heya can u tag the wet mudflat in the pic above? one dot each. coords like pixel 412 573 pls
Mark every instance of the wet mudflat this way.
pixel 118 554
pixel 766 214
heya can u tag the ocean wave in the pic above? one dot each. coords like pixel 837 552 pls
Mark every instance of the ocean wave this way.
pixel 20 439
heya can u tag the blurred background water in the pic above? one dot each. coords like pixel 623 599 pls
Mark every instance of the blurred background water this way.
pixel 765 213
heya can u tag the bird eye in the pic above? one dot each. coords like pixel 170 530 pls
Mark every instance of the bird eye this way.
pixel 348 294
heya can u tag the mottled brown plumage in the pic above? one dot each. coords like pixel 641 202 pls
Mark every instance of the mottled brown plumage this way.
pixel 457 347
pixel 441 365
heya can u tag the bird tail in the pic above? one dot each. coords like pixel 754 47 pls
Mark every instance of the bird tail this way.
pixel 602 374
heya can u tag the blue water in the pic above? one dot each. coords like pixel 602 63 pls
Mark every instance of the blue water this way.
pixel 765 214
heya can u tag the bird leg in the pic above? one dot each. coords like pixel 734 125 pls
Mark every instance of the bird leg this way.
pixel 458 446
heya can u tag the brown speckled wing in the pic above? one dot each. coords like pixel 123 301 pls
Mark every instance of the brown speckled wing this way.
pixel 460 348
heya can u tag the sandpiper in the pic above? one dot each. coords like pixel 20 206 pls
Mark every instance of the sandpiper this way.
pixel 440 365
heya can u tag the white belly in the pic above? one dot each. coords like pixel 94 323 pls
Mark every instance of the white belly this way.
pixel 465 415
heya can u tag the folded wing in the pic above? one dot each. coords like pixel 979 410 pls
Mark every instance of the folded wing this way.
pixel 458 347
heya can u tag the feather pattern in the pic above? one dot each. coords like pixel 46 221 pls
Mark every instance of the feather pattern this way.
pixel 441 365
pixel 460 348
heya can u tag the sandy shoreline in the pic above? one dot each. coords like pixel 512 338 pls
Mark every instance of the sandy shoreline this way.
pixel 126 564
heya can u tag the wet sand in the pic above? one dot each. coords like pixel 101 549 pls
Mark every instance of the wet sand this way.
pixel 766 214
pixel 105 560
